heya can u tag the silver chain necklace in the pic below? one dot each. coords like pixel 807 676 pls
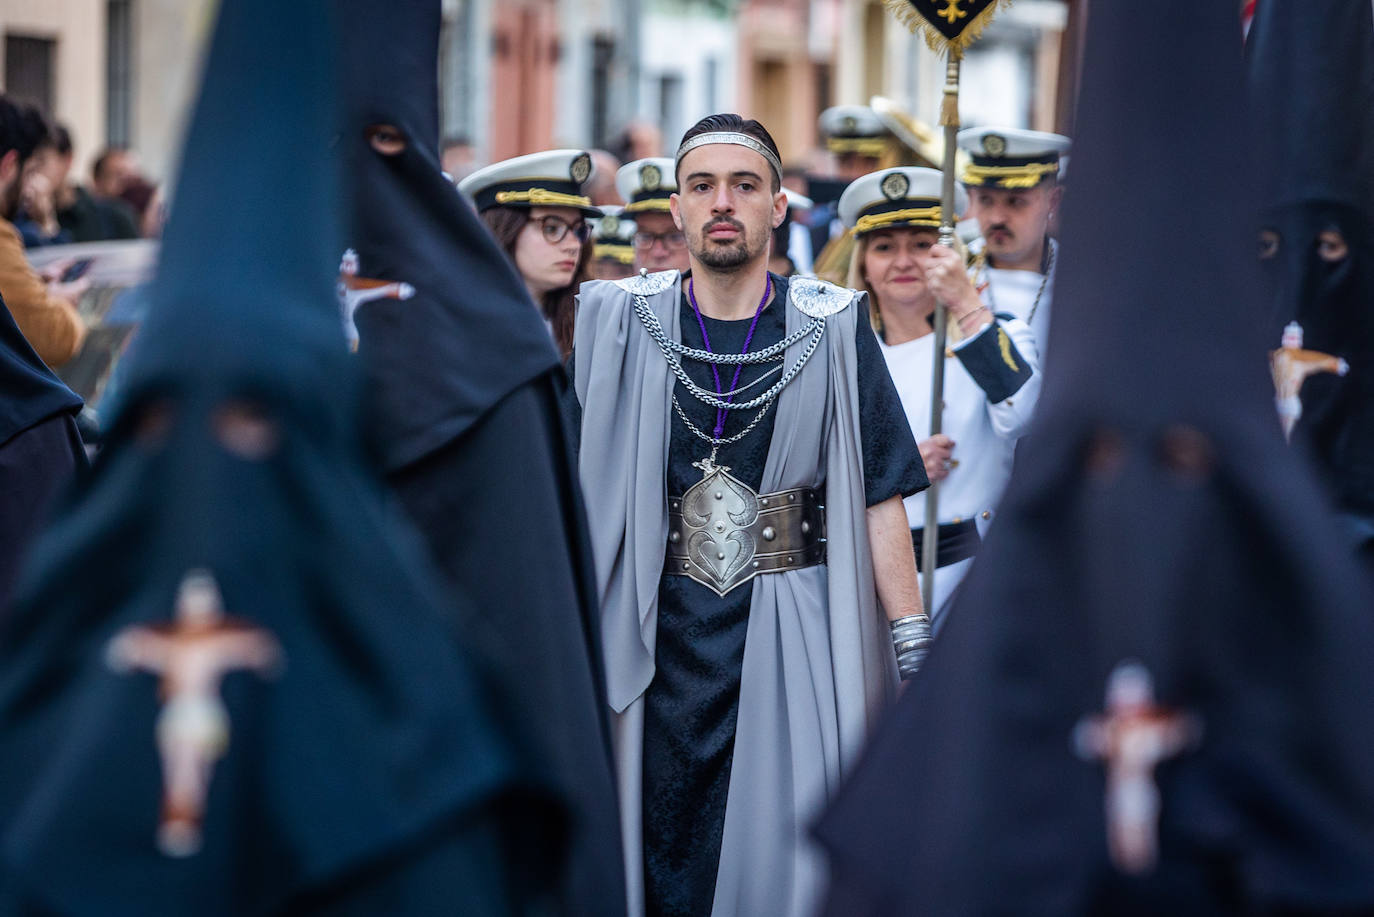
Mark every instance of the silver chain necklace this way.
pixel 674 353
pixel 1044 281
pixel 670 347
pixel 725 441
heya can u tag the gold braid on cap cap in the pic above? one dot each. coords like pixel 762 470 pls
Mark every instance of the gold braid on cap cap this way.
pixel 649 203
pixel 541 197
pixel 864 146
pixel 625 254
pixel 1023 176
pixel 926 216
pixel 737 139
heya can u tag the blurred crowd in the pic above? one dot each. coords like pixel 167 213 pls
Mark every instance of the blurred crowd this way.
pixel 43 203
pixel 55 208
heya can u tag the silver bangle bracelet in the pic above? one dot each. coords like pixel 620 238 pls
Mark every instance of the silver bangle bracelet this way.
pixel 908 664
pixel 911 639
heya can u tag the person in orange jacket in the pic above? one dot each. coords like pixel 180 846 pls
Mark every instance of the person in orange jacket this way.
pixel 43 307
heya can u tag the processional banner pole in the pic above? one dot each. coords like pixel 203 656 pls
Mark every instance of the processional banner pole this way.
pixel 949 27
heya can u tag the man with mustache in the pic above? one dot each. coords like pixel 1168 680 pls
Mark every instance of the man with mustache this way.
pixel 744 455
pixel 1013 189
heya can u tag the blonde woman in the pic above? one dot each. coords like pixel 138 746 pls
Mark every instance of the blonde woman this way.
pixel 992 378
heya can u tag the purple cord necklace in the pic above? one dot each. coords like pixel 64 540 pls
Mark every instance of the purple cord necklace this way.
pixel 715 367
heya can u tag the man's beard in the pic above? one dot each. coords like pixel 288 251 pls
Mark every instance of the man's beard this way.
pixel 724 258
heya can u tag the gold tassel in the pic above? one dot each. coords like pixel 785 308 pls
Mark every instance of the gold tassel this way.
pixel 906 14
pixel 949 109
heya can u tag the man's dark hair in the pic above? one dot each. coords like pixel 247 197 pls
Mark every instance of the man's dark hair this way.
pixel 730 122
pixel 452 141
pixel 22 128
pixel 102 160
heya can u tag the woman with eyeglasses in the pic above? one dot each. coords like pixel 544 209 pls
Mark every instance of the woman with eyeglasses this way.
pixel 535 208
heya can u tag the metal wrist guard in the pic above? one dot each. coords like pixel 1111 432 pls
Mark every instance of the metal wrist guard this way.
pixel 911 638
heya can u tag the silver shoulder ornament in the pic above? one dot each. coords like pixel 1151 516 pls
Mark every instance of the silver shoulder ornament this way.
pixel 817 298
pixel 646 284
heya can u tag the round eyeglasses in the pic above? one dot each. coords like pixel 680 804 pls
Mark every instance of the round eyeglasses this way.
pixel 671 240
pixel 556 228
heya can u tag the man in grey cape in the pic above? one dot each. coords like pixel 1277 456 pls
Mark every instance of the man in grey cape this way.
pixel 744 456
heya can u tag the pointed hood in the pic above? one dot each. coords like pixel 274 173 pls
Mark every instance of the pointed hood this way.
pixel 344 732
pixel 257 221
pixel 1154 516
pixel 1311 74
pixel 1312 93
pixel 445 326
pixel 1146 352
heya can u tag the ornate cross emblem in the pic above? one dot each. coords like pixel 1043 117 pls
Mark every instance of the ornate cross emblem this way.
pixel 1132 738
pixel 951 12
pixel 192 655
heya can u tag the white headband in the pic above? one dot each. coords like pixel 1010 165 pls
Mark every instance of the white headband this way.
pixel 737 139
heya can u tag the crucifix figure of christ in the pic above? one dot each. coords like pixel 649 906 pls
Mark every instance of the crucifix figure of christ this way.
pixel 1132 738
pixel 1291 365
pixel 192 654
pixel 354 291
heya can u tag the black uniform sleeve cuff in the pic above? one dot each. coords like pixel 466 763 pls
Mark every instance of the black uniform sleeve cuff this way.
pixel 993 361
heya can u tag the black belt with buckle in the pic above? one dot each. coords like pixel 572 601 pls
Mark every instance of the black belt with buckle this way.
pixel 958 541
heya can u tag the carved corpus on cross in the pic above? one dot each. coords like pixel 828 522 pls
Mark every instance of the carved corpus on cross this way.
pixel 1132 738
pixel 355 290
pixel 192 654
pixel 1291 365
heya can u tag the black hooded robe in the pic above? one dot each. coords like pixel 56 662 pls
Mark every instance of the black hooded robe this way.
pixel 502 514
pixel 40 448
pixel 464 385
pixel 364 765
pixel 1154 523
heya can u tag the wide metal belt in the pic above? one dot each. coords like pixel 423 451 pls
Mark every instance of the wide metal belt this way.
pixel 722 534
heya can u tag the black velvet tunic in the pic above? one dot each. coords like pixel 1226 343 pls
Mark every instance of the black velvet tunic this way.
pixel 691 705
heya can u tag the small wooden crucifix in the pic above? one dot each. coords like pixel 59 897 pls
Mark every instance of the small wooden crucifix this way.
pixel 1132 738
pixel 192 654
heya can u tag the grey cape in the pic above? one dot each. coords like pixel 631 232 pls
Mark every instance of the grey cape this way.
pixel 818 661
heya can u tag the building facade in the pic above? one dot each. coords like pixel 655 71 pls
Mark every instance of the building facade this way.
pixel 53 55
pixel 114 72
pixel 786 52
pixel 518 76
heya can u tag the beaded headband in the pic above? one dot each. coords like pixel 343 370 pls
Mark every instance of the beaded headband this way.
pixel 737 139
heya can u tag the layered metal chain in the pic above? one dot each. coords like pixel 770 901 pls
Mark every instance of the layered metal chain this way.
pixel 673 353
